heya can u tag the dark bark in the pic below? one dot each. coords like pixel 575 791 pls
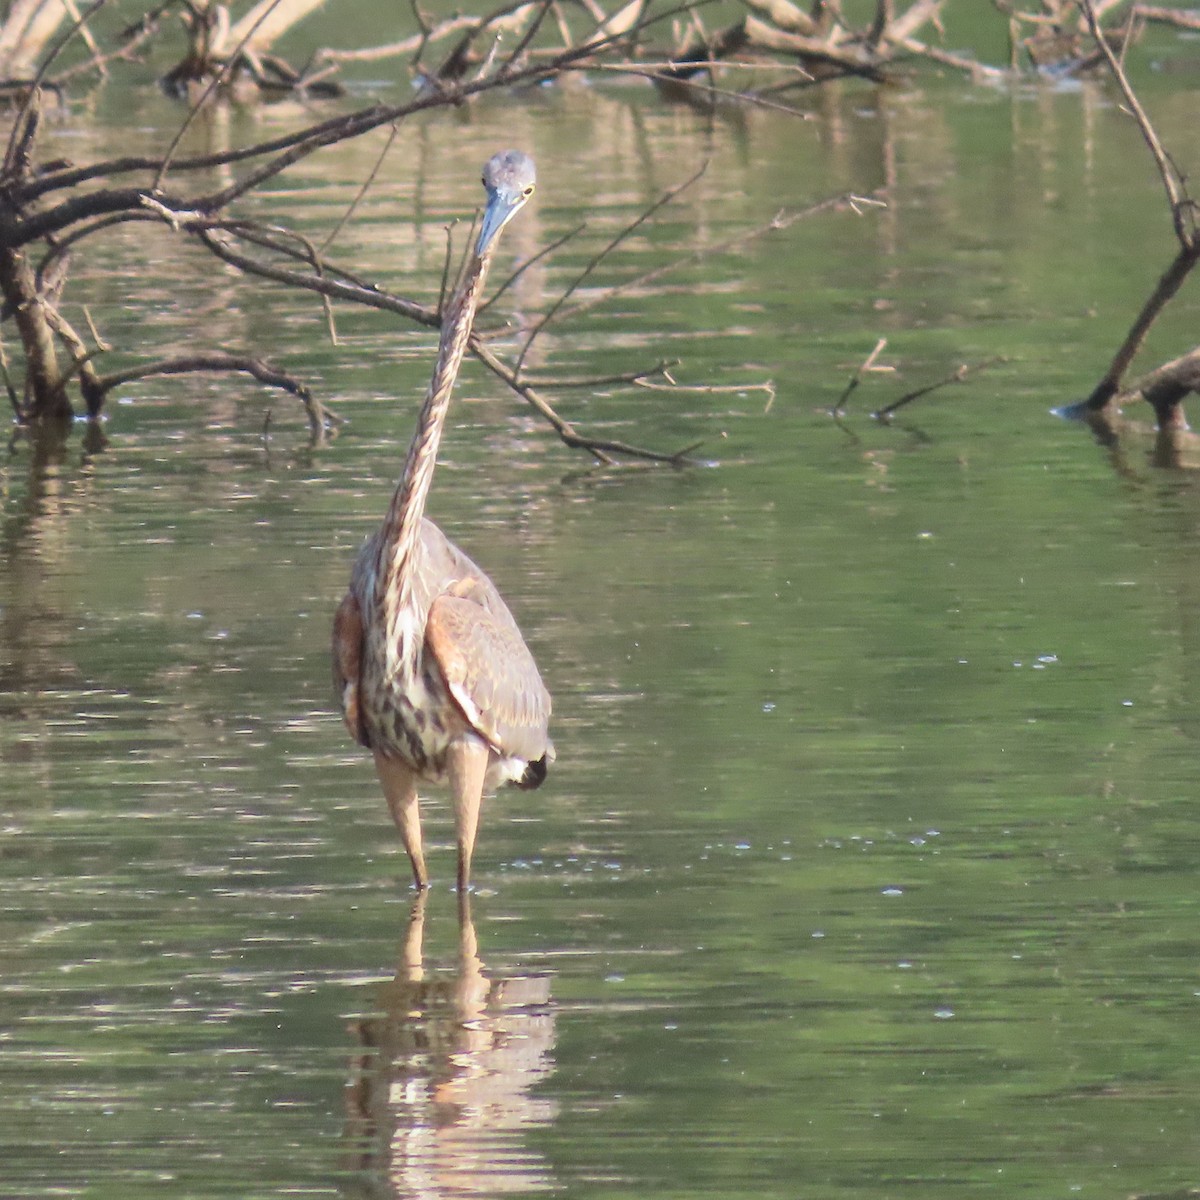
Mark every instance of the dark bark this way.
pixel 46 396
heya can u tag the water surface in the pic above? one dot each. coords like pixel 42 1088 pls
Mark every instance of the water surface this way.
pixel 868 865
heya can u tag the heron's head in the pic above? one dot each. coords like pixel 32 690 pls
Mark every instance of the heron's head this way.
pixel 509 178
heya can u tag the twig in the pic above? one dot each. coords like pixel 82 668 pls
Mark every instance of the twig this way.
pixel 1173 182
pixel 595 381
pixel 959 375
pixel 86 34
pixel 596 259
pixel 1182 19
pixel 211 237
pixel 707 89
pixel 710 389
pixel 781 220
pixel 288 148
pixel 319 418
pixel 601 450
pixel 527 37
pixel 546 250
pixel 868 364
pixel 215 236
pixel 416 43
pixel 326 304
pixel 960 62
pixel 133 37
pixel 352 207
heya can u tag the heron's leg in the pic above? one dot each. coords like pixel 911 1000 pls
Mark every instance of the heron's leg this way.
pixel 400 789
pixel 466 765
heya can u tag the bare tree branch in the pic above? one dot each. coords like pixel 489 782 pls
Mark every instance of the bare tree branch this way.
pixel 319 418
pixel 1183 207
pixel 641 219
pixel 958 375
pixel 868 364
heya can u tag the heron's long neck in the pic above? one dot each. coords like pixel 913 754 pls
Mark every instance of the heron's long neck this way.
pixel 402 526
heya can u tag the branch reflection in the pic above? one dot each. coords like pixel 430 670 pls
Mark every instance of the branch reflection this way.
pixel 440 1095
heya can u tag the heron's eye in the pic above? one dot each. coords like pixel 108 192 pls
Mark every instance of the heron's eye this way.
pixel 528 192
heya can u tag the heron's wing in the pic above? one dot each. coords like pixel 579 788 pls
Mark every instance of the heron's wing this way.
pixel 347 664
pixel 489 670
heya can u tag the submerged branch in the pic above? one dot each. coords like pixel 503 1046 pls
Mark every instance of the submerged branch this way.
pixel 959 375
pixel 867 365
pixel 1168 285
pixel 319 417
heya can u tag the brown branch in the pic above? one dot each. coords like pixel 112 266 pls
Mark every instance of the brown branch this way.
pixel 526 37
pixel 677 86
pixel 810 51
pixel 1173 184
pixel 885 17
pixel 1164 388
pixel 319 418
pixel 213 240
pixel 918 14
pixel 785 15
pixel 13 398
pixel 364 187
pixel 711 389
pixel 1181 19
pixel 569 383
pixel 286 149
pixel 945 58
pixel 405 46
pixel 213 236
pixel 959 375
pixel 602 450
pixel 81 357
pixel 1170 282
pixel 133 37
pixel 44 375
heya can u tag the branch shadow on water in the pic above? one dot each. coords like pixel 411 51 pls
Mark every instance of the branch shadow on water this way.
pixel 440 1091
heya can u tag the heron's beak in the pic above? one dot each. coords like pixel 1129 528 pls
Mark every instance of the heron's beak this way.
pixel 502 205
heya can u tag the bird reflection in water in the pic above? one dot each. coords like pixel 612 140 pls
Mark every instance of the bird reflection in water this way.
pixel 442 1088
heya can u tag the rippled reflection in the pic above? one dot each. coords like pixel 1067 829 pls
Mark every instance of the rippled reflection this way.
pixel 440 1092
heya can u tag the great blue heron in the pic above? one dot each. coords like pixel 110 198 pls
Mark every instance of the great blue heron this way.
pixel 433 674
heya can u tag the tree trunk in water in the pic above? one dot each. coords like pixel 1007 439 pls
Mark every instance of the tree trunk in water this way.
pixel 46 396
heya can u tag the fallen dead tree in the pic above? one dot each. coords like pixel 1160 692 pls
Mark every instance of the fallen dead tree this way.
pixel 49 212
pixel 1166 386
pixel 772 47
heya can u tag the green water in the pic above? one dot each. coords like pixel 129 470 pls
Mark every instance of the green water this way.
pixel 868 866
